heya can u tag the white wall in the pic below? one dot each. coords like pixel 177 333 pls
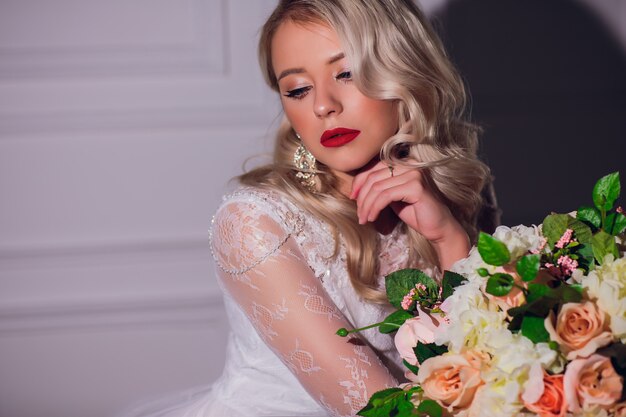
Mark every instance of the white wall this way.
pixel 120 124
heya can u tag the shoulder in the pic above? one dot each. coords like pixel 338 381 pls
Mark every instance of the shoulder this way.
pixel 251 203
pixel 249 225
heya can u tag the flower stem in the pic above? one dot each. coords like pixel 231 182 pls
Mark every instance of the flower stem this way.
pixel 343 332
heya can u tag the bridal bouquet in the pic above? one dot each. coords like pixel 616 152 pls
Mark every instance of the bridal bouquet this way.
pixel 532 322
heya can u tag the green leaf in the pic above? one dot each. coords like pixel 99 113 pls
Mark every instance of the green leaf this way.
pixel 499 284
pixel 541 299
pixel 585 256
pixel 528 267
pixel 589 215
pixel 582 232
pixel 615 223
pixel 538 308
pixel 399 283
pixel 568 293
pixel 425 351
pixel 379 407
pixel 533 328
pixel 492 250
pixel 430 408
pixel 606 191
pixel 554 226
pixel 450 281
pixel 393 321
pixel 603 244
pixel 536 291
pixel 383 403
pixel 412 368
pixel 483 272
pixel 379 397
pixel 620 224
pixel 405 409
pixel 391 402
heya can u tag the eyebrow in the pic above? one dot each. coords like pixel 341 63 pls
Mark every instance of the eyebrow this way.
pixel 290 71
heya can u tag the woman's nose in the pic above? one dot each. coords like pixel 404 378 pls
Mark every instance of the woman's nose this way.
pixel 326 103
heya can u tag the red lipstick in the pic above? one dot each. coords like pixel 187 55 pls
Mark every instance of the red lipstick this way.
pixel 338 137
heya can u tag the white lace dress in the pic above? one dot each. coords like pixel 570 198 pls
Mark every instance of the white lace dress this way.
pixel 285 297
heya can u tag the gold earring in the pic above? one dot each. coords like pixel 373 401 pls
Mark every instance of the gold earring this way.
pixel 304 162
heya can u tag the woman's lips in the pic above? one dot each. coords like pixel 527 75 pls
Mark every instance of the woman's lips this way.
pixel 338 137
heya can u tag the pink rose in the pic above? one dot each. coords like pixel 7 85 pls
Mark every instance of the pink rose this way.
pixel 451 380
pixel 551 403
pixel 591 382
pixel 580 329
pixel 418 329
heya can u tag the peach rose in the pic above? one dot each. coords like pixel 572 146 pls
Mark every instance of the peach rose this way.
pixel 515 297
pixel 591 382
pixel 451 380
pixel 580 329
pixel 552 401
pixel 418 329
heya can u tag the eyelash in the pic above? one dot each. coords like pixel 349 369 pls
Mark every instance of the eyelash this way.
pixel 300 93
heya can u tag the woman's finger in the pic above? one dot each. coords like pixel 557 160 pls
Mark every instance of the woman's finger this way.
pixel 378 196
pixel 374 179
pixel 361 178
pixel 395 193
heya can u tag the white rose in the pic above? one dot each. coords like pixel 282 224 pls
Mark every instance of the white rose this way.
pixel 467 296
pixel 607 284
pixel 519 239
pixel 499 397
pixel 514 351
pixel 472 329
pixel 468 266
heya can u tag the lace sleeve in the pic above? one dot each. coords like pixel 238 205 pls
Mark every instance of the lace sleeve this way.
pixel 263 269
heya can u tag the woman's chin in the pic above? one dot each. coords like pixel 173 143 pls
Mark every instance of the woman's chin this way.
pixel 353 168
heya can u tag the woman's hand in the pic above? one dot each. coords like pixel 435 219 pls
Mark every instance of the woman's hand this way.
pixel 406 193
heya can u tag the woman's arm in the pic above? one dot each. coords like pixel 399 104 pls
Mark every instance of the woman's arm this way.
pixel 452 246
pixel 266 273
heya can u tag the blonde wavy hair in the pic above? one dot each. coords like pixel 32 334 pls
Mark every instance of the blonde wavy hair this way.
pixel 394 55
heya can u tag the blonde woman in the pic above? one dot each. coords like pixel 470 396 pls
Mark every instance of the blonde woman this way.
pixel 374 170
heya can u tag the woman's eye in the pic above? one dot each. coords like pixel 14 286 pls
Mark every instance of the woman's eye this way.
pixel 298 93
pixel 346 75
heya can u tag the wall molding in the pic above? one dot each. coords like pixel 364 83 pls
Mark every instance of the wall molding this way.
pixel 113 314
pixel 204 52
pixel 200 117
pixel 94 312
pixel 93 253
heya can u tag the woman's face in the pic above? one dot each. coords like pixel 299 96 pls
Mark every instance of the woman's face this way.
pixel 339 125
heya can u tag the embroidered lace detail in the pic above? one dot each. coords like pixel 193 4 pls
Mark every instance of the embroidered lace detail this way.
pixel 355 395
pixel 303 360
pixel 240 218
pixel 264 318
pixel 315 304
pixel 394 253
